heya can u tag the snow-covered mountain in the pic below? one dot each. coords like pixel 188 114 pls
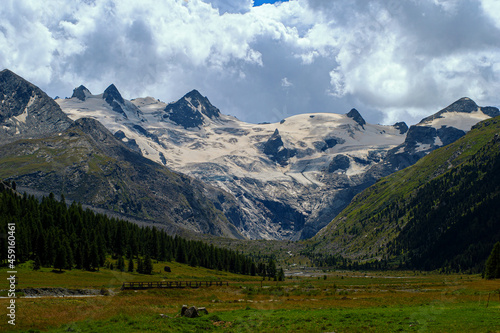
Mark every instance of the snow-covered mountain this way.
pixel 290 178
pixel 440 129
pixel 43 151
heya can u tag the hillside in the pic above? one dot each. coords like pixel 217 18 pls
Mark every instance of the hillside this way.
pixel 53 234
pixel 440 212
pixel 86 163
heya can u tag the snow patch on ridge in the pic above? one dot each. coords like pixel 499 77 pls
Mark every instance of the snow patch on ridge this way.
pixel 460 120
pixel 22 117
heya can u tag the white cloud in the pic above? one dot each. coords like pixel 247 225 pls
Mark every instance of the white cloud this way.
pixel 285 83
pixel 392 60
pixel 491 10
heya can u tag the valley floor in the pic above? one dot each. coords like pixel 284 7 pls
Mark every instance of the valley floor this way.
pixel 319 302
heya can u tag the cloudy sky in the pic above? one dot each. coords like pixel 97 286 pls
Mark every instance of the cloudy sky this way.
pixel 393 60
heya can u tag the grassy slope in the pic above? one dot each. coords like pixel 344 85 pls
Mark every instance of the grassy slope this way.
pixel 357 233
pixel 113 279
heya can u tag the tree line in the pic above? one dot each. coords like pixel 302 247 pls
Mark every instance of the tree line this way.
pixel 53 234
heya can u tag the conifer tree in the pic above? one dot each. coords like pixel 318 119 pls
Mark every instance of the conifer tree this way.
pixel 130 264
pixel 180 253
pixel 94 256
pixel 193 262
pixel 253 269
pixel 492 267
pixel 37 264
pixel 120 265
pixel 147 267
pixel 271 269
pixel 281 275
pixel 60 260
pixel 140 267
pixel 69 254
pixel 79 257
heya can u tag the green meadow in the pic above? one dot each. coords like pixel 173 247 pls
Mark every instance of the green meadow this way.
pixel 316 301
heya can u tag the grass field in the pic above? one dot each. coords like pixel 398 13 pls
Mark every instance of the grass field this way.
pixel 317 302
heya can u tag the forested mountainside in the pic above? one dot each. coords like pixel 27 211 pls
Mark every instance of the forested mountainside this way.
pixel 441 212
pixel 53 234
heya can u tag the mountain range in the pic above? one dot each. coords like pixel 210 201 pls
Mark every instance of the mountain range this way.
pixel 438 213
pixel 42 149
pixel 290 178
pixel 188 166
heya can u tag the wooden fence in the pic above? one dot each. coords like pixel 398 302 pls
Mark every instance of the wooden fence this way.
pixel 173 284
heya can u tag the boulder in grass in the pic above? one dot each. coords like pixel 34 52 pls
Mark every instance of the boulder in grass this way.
pixel 192 312
pixel 183 310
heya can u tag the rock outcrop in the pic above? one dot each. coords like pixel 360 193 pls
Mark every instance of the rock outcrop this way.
pixel 26 111
pixel 81 93
pixel 190 110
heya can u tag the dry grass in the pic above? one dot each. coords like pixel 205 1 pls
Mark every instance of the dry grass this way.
pixel 351 291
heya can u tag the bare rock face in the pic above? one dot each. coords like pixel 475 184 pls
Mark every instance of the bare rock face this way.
pixel 113 97
pixel 81 93
pixel 275 149
pixel 401 126
pixel 354 114
pixel 190 111
pixel 26 111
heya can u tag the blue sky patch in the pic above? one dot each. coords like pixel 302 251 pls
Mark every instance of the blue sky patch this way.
pixel 261 2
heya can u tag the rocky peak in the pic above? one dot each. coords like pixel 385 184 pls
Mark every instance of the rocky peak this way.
pixel 111 93
pixel 401 126
pixel 26 111
pixel 189 110
pixel 464 105
pixel 354 114
pixel 183 114
pixel 276 150
pixel 81 93
pixel 7 74
pixel 202 104
pixel 113 97
pixel 15 93
pixel 194 95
